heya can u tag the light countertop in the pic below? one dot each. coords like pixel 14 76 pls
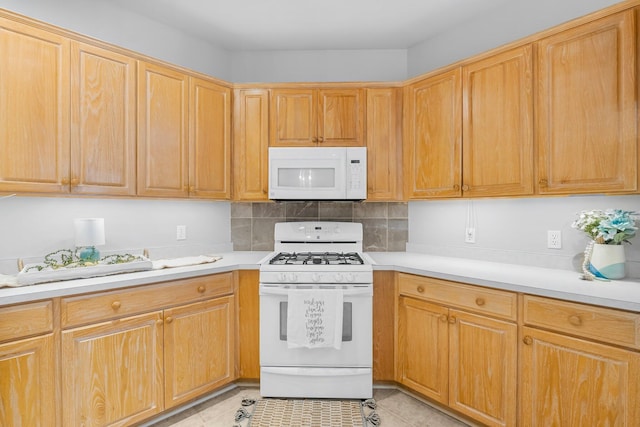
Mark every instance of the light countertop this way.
pixel 561 284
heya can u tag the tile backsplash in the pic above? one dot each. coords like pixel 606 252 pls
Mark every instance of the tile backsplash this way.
pixel 385 225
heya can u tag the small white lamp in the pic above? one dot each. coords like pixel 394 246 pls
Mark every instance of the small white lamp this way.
pixel 89 234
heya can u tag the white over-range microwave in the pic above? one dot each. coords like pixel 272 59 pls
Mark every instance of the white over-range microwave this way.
pixel 317 173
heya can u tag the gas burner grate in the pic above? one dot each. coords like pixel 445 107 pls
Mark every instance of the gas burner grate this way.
pixel 317 258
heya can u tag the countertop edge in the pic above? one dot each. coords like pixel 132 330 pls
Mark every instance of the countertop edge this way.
pixel 560 284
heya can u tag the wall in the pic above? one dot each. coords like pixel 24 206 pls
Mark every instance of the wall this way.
pixel 32 227
pixel 319 66
pixel 101 20
pixel 511 21
pixel 384 224
pixel 514 230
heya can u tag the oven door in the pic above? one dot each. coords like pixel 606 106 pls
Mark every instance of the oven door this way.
pixel 356 348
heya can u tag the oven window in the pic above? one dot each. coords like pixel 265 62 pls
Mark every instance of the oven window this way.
pixel 347 330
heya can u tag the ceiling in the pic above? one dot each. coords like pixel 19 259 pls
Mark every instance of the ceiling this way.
pixel 254 25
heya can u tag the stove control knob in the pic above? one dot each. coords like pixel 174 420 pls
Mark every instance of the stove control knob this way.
pixel 315 277
pixel 282 277
pixel 350 277
pixel 339 277
pixel 293 277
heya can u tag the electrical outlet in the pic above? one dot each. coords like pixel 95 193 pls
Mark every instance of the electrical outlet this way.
pixel 181 232
pixel 470 235
pixel 554 239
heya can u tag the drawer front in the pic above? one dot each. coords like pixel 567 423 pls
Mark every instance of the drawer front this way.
pixel 124 302
pixel 26 319
pixel 482 300
pixel 598 323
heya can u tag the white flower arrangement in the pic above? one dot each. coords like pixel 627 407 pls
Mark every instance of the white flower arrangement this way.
pixel 609 227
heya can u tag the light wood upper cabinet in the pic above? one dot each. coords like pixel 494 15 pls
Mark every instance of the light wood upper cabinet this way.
pixel 103 121
pixel 209 140
pixel 113 371
pixel 326 117
pixel 433 136
pixel 586 108
pixel 384 144
pixel 497 123
pixel 251 144
pixel 34 109
pixel 199 342
pixel 162 131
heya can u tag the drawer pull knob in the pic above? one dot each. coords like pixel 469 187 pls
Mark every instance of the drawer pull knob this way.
pixel 201 289
pixel 116 305
pixel 443 318
pixel 575 320
pixel 452 319
pixel 420 289
pixel 159 322
pixel 527 340
pixel 169 319
pixel 480 301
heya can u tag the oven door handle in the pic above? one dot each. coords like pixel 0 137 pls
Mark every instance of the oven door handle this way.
pixel 355 291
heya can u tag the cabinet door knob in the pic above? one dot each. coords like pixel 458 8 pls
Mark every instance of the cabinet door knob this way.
pixel 65 181
pixel 575 320
pixel 314 139
pixel 192 189
pixel 420 289
pixel 116 305
pixel 543 181
pixel 321 139
pixel 168 319
pixel 201 289
pixel 443 318
pixel 452 319
pixel 159 322
pixel 465 187
pixel 527 340
pixel 456 187
pixel 480 301
pixel 74 181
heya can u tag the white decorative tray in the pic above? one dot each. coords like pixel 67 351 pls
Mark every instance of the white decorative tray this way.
pixel 29 275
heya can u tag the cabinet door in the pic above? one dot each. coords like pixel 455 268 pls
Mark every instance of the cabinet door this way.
pixel 34 109
pixel 483 368
pixel 199 348
pixel 293 117
pixel 209 140
pixel 162 132
pixel 497 147
pixel 433 137
pixel 251 144
pixel 586 108
pixel 27 385
pixel 103 121
pixel 423 348
pixel 384 148
pixel 112 372
pixel 341 117
pixel 249 324
pixel 570 382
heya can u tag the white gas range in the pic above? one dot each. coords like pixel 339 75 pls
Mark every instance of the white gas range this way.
pixel 316 294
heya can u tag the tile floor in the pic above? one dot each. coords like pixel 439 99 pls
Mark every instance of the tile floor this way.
pixel 396 409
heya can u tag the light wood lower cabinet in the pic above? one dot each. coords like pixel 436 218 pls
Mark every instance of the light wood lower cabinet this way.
pixel 574 369
pixel 464 360
pixel 28 361
pixel 112 372
pixel 130 365
pixel 27 383
pixel 199 348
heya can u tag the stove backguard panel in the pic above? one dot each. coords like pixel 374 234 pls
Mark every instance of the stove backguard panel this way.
pixel 385 224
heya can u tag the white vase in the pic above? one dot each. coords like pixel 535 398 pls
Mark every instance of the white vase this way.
pixel 607 261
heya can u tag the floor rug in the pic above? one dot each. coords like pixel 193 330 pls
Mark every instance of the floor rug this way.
pixel 307 413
